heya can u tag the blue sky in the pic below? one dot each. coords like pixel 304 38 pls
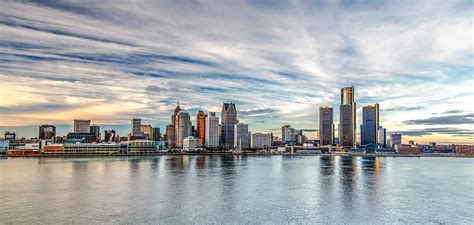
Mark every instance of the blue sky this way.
pixel 109 61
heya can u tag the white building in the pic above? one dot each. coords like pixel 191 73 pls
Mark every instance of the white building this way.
pixel 259 140
pixel 241 136
pixel 212 130
pixel 189 143
pixel 288 134
pixel 382 139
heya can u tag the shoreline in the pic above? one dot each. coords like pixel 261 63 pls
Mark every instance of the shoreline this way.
pixel 345 154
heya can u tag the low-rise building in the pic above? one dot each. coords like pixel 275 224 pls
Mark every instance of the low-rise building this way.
pixel 260 140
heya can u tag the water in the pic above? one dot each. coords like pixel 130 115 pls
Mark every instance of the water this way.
pixel 238 189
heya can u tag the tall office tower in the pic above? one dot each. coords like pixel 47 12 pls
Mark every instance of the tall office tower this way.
pixel 171 135
pixel 109 136
pixel 47 132
pixel 146 131
pixel 95 129
pixel 259 140
pixel 395 139
pixel 229 119
pixel 288 134
pixel 82 126
pixel 346 130
pixel 382 136
pixel 183 127
pixel 241 136
pixel 212 131
pixel 201 127
pixel 370 124
pixel 136 123
pixel 171 128
pixel 348 98
pixel 156 134
pixel 326 132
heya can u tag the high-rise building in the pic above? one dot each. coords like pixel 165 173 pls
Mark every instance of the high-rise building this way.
pixel 288 134
pixel 241 136
pixel 346 131
pixel 395 139
pixel 370 124
pixel 47 132
pixel 146 131
pixel 156 134
pixel 171 128
pixel 212 131
pixel 348 98
pixel 326 126
pixel 82 126
pixel 259 140
pixel 183 127
pixel 201 127
pixel 95 130
pixel 136 123
pixel 228 120
pixel 382 136
pixel 109 136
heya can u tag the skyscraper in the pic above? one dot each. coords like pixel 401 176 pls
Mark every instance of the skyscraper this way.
pixel 348 98
pixel 95 129
pixel 370 124
pixel 82 126
pixel 156 134
pixel 136 123
pixel 241 136
pixel 183 127
pixel 47 132
pixel 212 131
pixel 201 127
pixel 288 134
pixel 229 119
pixel 382 136
pixel 346 129
pixel 326 128
pixel 171 128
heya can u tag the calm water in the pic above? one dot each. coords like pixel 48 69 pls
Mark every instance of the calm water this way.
pixel 240 189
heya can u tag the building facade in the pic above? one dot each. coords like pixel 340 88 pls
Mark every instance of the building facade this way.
pixel 260 140
pixel 171 128
pixel 95 129
pixel 229 119
pixel 382 136
pixel 326 126
pixel 136 123
pixel 201 127
pixel 395 139
pixel 110 136
pixel 183 127
pixel 346 131
pixel 241 136
pixel 146 131
pixel 348 98
pixel 156 134
pixel 82 126
pixel 370 125
pixel 212 131
pixel 47 132
pixel 288 134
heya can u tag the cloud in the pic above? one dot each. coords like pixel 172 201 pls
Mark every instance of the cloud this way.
pixel 403 108
pixel 444 120
pixel 256 112
pixel 453 112
pixel 440 130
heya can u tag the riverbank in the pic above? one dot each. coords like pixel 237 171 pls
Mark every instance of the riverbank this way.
pixel 348 154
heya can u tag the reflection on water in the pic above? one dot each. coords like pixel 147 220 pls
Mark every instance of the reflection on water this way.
pixel 242 189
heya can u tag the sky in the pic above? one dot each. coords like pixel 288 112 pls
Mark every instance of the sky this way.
pixel 279 61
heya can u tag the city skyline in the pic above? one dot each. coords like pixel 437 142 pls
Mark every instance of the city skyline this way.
pixel 292 59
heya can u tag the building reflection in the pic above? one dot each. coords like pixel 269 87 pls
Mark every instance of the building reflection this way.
pixel 347 176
